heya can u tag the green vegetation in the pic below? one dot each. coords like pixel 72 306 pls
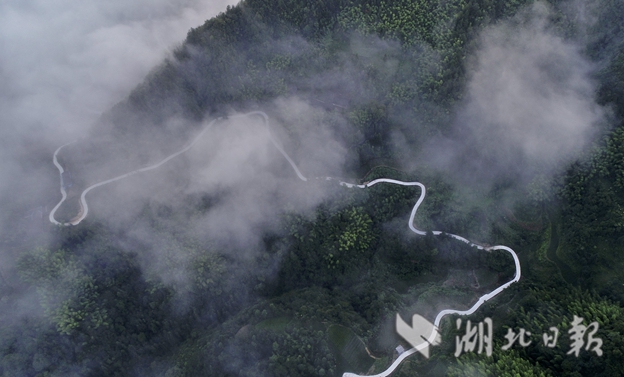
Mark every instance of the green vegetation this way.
pixel 325 288
pixel 275 324
pixel 350 349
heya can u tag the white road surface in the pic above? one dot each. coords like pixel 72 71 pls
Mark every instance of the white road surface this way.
pixel 444 312
pixel 85 211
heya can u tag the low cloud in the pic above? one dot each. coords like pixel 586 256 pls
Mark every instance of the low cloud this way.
pixel 63 63
pixel 529 105
pixel 229 191
pixel 238 163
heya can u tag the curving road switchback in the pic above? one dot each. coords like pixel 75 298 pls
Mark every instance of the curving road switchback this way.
pixel 84 211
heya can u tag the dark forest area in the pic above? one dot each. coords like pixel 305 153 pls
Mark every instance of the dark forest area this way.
pixel 312 288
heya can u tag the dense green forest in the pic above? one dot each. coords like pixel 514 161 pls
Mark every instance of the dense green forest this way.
pixel 318 295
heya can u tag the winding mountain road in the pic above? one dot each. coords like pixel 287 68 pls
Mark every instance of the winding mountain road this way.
pixel 85 211
pixel 84 207
pixel 443 313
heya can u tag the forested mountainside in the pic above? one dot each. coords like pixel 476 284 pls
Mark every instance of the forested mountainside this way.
pixel 510 112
